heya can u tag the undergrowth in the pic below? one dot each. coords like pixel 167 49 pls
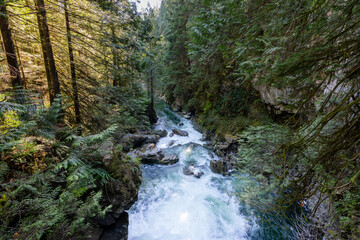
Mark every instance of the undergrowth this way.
pixel 51 178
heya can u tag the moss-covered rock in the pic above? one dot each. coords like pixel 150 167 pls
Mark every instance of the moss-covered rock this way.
pixel 122 190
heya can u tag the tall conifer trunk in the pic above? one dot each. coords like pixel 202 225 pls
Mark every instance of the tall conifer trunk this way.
pixel 115 57
pixel 51 73
pixel 9 47
pixel 72 64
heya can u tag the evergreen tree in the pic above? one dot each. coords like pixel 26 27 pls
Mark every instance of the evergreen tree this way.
pixel 51 72
pixel 176 60
pixel 72 64
pixel 9 47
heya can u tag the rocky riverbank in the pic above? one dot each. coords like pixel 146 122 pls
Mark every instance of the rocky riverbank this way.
pixel 226 147
pixel 122 191
pixel 185 200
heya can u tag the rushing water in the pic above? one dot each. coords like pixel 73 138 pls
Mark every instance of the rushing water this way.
pixel 174 206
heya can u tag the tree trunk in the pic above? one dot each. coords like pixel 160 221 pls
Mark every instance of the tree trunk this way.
pixel 51 73
pixel 115 57
pixel 152 87
pixel 150 108
pixel 72 65
pixel 9 47
pixel 21 65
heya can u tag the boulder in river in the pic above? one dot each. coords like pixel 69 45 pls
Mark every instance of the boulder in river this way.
pixel 181 124
pixel 137 140
pixel 187 171
pixel 217 166
pixel 161 132
pixel 187 116
pixel 154 157
pixel 167 160
pixel 198 174
pixel 172 142
pixel 192 170
pixel 171 134
pixel 119 231
pixel 148 154
pixel 181 133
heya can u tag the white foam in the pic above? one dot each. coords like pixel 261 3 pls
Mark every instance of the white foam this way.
pixel 173 206
pixel 194 136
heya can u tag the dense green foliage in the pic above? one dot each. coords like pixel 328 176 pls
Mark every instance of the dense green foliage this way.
pixel 56 159
pixel 237 63
pixel 43 179
pixel 283 76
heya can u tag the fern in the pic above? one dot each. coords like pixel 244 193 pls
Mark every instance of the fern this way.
pixel 44 208
pixel 46 211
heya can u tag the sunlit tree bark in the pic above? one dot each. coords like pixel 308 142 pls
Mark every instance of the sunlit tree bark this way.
pixel 51 72
pixel 9 47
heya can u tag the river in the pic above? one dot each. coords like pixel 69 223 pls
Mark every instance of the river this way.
pixel 175 206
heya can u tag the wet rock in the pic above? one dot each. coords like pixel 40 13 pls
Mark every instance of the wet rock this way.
pixel 181 124
pixel 107 220
pixel 161 133
pixel 95 233
pixel 176 106
pixel 139 152
pixel 171 134
pixel 172 159
pixel 209 146
pixel 187 116
pixel 148 154
pixel 181 133
pixel 192 170
pixel 221 147
pixel 197 127
pixel 172 142
pixel 119 231
pixel 217 166
pixel 187 171
pixel 198 174
pixel 137 140
pixel 152 157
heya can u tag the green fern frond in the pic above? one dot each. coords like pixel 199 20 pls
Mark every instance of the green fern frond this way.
pixel 72 161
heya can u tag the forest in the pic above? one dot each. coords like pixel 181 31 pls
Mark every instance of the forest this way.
pixel 100 102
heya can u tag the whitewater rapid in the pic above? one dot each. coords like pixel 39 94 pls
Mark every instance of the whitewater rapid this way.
pixel 174 206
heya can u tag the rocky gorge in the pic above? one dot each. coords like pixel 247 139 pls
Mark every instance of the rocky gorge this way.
pixel 166 148
pixel 226 147
pixel 183 198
